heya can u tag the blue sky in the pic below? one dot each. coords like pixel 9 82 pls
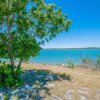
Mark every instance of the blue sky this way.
pixel 85 28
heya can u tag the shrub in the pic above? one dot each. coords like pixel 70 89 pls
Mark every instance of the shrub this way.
pixel 9 77
pixel 86 60
pixel 98 61
pixel 6 96
pixel 70 64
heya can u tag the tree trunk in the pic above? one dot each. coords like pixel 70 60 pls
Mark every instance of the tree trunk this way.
pixel 20 62
pixel 12 63
pixel 12 67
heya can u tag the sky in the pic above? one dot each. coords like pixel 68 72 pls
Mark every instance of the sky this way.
pixel 85 28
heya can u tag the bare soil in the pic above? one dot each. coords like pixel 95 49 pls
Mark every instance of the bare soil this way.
pixel 84 84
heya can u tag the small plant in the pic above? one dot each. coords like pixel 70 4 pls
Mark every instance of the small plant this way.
pixel 70 64
pixel 9 77
pixel 86 60
pixel 98 61
pixel 6 96
pixel 21 37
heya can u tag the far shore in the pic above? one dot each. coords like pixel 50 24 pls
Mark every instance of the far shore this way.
pixel 71 48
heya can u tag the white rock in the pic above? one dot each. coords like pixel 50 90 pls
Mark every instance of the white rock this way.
pixel 55 98
pixel 28 87
pixel 69 95
pixel 1 97
pixel 50 85
pixel 83 98
pixel 82 91
pixel 15 91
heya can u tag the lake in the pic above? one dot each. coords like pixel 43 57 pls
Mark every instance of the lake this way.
pixel 60 56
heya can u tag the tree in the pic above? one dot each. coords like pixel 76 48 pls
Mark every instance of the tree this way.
pixel 23 29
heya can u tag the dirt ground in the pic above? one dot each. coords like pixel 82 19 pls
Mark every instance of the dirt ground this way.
pixel 84 83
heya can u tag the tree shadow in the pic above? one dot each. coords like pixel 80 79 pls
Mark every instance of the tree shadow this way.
pixel 40 81
pixel 37 84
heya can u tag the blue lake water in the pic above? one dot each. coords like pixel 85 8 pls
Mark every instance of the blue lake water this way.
pixel 61 56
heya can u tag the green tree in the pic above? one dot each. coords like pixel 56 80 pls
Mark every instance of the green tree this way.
pixel 24 29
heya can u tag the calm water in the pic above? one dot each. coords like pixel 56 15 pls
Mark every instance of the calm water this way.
pixel 61 56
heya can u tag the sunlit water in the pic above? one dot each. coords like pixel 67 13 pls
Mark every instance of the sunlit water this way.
pixel 60 56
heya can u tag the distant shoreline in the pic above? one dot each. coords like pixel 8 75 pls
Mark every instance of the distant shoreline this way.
pixel 70 48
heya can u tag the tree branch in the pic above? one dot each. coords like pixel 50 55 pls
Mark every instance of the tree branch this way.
pixel 9 28
pixel 9 51
pixel 20 62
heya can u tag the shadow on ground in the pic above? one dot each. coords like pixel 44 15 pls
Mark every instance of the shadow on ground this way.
pixel 41 81
pixel 36 84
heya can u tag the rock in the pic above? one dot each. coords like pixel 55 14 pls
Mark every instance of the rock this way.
pixel 82 91
pixel 49 77
pixel 83 98
pixel 60 84
pixel 55 98
pixel 1 97
pixel 27 97
pixel 38 98
pixel 98 90
pixel 39 76
pixel 85 88
pixel 27 87
pixel 98 94
pixel 63 64
pixel 15 91
pixel 97 97
pixel 14 98
pixel 22 89
pixel 34 92
pixel 69 95
pixel 42 93
pixel 50 85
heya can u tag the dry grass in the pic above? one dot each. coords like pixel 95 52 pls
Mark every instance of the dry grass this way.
pixel 81 79
pixel 82 76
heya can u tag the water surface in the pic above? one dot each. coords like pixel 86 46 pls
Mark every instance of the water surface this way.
pixel 60 56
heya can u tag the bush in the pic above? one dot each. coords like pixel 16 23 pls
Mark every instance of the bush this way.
pixel 88 63
pixel 86 60
pixel 9 77
pixel 98 61
pixel 70 64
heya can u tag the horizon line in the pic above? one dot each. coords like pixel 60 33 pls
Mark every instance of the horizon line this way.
pixel 75 48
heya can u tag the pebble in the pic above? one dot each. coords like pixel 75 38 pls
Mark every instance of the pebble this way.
pixel 15 91
pixel 50 77
pixel 83 98
pixel 98 94
pixel 27 87
pixel 50 85
pixel 55 98
pixel 42 93
pixel 98 90
pixel 69 94
pixel 82 91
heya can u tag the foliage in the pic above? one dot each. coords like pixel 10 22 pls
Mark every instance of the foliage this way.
pixel 6 96
pixel 86 60
pixel 70 64
pixel 23 28
pixel 9 77
pixel 98 61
